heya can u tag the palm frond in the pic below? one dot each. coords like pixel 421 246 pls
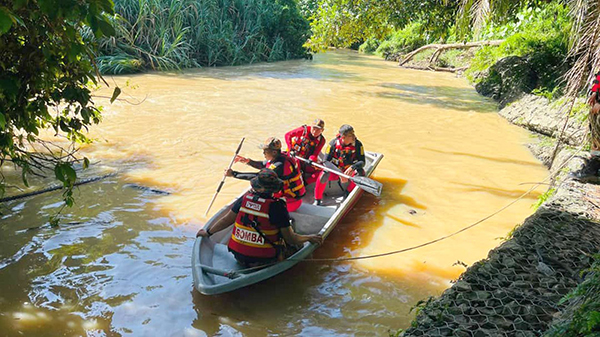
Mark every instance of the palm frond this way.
pixel 480 14
pixel 585 45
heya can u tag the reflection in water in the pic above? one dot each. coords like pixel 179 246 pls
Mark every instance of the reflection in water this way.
pixel 119 262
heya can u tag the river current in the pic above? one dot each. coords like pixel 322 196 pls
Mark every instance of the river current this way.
pixel 119 262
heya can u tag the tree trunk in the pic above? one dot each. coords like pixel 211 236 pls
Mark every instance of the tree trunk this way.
pixel 442 47
pixel 432 68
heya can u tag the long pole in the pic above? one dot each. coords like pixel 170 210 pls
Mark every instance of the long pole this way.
pixel 369 185
pixel 224 176
pixel 325 168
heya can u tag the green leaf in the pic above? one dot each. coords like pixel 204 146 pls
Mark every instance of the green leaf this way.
pixel 65 173
pixel 9 86
pixel 2 121
pixel 5 20
pixel 106 28
pixel 74 51
pixel 24 178
pixel 58 172
pixel 70 173
pixel 17 4
pixel 86 162
pixel 115 94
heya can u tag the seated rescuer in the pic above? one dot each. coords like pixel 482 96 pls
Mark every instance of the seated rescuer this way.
pixel 285 167
pixel 307 142
pixel 346 153
pixel 261 221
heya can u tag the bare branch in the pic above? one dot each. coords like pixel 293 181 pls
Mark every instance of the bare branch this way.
pixel 441 47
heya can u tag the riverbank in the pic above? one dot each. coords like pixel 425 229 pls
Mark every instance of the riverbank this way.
pixel 517 289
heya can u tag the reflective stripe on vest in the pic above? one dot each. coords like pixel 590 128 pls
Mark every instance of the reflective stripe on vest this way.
pixel 293 184
pixel 245 239
pixel 304 146
pixel 343 155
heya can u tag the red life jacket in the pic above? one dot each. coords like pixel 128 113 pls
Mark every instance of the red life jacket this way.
pixel 343 155
pixel 245 239
pixel 306 144
pixel 293 184
pixel 596 86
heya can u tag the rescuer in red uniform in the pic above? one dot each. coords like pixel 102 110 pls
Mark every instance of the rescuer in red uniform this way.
pixel 284 166
pixel 261 223
pixel 307 142
pixel 589 172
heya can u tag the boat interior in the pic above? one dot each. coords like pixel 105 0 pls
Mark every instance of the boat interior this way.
pixel 308 219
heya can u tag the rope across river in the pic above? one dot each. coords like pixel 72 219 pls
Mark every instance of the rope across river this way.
pixel 365 257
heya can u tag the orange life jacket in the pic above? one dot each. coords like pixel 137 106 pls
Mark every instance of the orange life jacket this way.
pixel 245 238
pixel 343 155
pixel 293 184
pixel 305 145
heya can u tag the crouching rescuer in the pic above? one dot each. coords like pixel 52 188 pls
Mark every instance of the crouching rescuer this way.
pixel 261 224
pixel 347 154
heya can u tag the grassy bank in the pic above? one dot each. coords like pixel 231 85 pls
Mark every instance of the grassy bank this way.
pixel 175 34
pixel 537 34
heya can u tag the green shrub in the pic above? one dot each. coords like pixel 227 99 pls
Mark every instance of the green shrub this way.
pixel 540 35
pixel 174 34
pixel 543 198
pixel 454 58
pixel 404 40
pixel 583 317
pixel 369 46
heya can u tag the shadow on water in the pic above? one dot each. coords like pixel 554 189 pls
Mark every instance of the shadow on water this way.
pixel 500 192
pixel 356 230
pixel 464 99
pixel 495 159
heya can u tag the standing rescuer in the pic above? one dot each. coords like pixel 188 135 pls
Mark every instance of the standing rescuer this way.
pixel 590 169
pixel 346 152
pixel 307 142
pixel 285 167
pixel 261 223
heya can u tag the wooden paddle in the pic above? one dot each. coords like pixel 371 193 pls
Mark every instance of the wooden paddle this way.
pixel 224 176
pixel 369 185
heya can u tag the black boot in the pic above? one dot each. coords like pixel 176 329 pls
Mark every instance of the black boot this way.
pixel 589 171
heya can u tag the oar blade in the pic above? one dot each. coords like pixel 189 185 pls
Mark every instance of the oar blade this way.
pixel 369 185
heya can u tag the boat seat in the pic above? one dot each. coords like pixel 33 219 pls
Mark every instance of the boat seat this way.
pixel 309 219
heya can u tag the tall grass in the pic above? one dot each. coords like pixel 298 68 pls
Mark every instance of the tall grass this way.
pixel 174 34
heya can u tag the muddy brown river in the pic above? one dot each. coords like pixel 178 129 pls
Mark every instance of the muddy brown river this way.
pixel 119 262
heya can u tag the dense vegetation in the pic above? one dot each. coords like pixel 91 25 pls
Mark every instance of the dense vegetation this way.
pixel 540 35
pixel 52 50
pixel 552 36
pixel 583 313
pixel 45 69
pixel 174 34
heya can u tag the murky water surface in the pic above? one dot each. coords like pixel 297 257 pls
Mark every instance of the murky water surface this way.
pixel 119 263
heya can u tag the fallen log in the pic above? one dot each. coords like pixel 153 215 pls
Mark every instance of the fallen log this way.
pixel 57 187
pixel 440 47
pixel 450 70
